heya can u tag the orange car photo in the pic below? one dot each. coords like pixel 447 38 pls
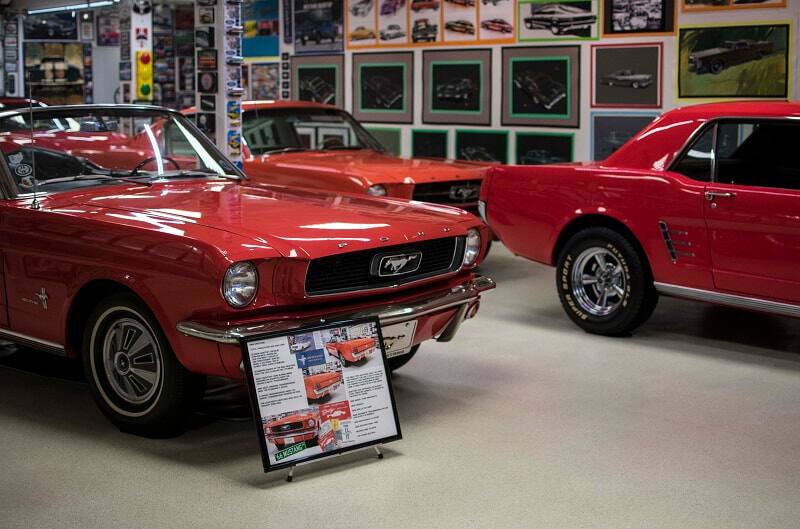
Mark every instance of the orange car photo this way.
pixel 321 385
pixel 351 351
pixel 293 429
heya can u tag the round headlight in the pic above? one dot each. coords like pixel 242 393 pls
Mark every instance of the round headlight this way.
pixel 473 248
pixel 240 284
pixel 377 190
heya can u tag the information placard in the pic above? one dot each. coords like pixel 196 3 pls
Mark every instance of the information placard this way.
pixel 319 391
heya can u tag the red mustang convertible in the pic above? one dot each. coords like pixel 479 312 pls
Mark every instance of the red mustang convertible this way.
pixel 702 204
pixel 129 241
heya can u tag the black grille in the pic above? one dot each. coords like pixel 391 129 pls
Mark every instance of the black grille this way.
pixel 459 193
pixel 351 271
pixel 288 427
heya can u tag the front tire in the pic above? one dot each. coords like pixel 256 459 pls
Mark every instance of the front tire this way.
pixel 396 362
pixel 135 378
pixel 603 284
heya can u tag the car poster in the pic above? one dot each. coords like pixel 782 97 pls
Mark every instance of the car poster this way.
pixel 320 391
pixel 318 26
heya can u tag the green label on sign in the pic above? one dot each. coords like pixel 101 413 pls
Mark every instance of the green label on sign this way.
pixel 292 450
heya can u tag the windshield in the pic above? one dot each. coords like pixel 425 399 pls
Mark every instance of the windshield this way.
pixel 59 149
pixel 271 130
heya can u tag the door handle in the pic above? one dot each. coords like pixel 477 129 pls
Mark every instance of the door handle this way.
pixel 711 195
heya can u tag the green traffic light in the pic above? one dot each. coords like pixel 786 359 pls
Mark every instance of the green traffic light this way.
pixel 145 89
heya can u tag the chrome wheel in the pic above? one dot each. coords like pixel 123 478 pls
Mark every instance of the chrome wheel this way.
pixel 598 281
pixel 132 361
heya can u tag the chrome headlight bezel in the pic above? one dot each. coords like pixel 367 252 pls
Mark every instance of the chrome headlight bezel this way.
pixel 472 247
pixel 240 284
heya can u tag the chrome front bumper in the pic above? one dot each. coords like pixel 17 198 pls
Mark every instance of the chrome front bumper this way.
pixel 462 296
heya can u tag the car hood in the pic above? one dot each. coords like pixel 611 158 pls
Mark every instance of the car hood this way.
pixel 378 168
pixel 295 223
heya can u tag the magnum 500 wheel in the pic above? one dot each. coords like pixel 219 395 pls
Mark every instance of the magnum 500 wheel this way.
pixel 133 374
pixel 602 283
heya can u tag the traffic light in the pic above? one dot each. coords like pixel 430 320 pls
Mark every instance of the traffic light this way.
pixel 144 75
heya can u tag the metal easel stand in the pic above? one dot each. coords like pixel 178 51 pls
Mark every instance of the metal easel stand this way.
pixel 290 475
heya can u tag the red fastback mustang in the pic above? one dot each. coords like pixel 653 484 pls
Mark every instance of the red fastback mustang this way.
pixel 702 204
pixel 129 241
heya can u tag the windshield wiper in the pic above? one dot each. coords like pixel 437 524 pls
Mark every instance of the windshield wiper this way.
pixel 203 172
pixel 82 177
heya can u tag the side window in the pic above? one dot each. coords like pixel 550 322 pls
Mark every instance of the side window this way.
pixel 759 154
pixel 696 163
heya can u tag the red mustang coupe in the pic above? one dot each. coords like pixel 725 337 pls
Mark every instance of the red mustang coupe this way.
pixel 702 204
pixel 129 241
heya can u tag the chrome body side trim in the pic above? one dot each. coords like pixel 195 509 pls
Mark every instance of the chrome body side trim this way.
pixel 733 300
pixel 460 296
pixel 32 342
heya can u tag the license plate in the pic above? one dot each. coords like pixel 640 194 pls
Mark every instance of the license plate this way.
pixel 397 338
pixel 288 441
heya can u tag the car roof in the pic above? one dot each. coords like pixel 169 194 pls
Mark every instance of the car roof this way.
pixel 738 109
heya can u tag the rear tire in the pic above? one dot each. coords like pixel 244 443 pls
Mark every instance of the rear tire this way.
pixel 135 378
pixel 396 362
pixel 603 284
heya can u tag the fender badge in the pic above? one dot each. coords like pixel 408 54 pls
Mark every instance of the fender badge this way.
pixel 43 297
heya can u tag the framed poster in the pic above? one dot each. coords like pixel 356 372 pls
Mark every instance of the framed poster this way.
pixel 536 148
pixel 390 138
pixel 482 145
pixel 264 81
pixel 108 27
pixel 557 20
pixel 318 26
pixel 727 61
pixel 612 130
pixel 51 26
pixel 318 78
pixel 361 24
pixel 261 28
pixel 689 6
pixel 429 143
pixel 319 391
pixel 55 72
pixel 383 90
pixel 459 17
pixel 456 86
pixel 625 18
pixel 627 75
pixel 541 86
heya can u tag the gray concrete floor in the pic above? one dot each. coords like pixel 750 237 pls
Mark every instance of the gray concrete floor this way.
pixel 523 421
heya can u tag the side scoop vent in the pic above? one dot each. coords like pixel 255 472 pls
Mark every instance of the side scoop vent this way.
pixel 675 241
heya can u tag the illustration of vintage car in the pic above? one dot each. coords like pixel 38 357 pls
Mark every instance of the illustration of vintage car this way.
pixel 460 26
pixel 421 5
pixel 424 31
pixel 461 90
pixel 497 24
pixel 300 346
pixel 317 90
pixel 317 31
pixel 730 53
pixel 390 7
pixel 53 70
pixel 392 31
pixel 351 351
pixel 627 77
pixel 293 429
pixel 476 154
pixel 464 3
pixel 321 385
pixel 362 33
pixel 539 157
pixel 559 18
pixel 541 88
pixel 382 91
pixel 361 8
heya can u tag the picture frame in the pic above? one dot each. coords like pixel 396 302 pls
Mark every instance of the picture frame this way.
pixel 318 26
pixel 611 130
pixel 535 148
pixel 430 143
pixel 623 18
pixel 383 89
pixel 390 138
pixel 456 86
pixel 207 59
pixel 725 61
pixel 541 86
pixel 264 81
pixel 207 82
pixel 627 75
pixel 485 146
pixel 60 26
pixel 694 6
pixel 318 78
pixel 108 30
pixel 558 20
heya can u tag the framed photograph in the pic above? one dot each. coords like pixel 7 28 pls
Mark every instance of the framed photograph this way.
pixel 727 61
pixel 318 26
pixel 537 148
pixel 107 27
pixel 55 72
pixel 627 75
pixel 612 130
pixel 208 103
pixel 390 138
pixel 541 86
pixel 625 18
pixel 206 15
pixel 689 6
pixel 456 86
pixel 557 20
pixel 429 143
pixel 87 26
pixel 207 59
pixel 184 17
pixel 482 146
pixel 207 123
pixel 204 37
pixel 318 78
pixel 207 82
pixel 264 81
pixel 51 26
pixel 383 90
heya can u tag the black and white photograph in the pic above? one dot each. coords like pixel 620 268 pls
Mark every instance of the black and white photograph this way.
pixel 429 143
pixel 482 146
pixel 635 17
pixel 538 148
pixel 318 78
pixel 456 86
pixel 610 131
pixel 207 82
pixel 204 37
pixel 557 20
pixel 60 26
pixel 383 87
pixel 627 75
